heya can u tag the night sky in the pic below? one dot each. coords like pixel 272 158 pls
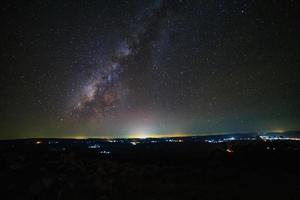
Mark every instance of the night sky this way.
pixel 129 68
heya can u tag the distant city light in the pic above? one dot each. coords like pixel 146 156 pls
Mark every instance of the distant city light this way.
pixel 143 136
pixel 95 146
pixel 104 152
pixel 278 131
pixel 229 139
pixel 53 142
pixel 140 135
pixel 229 150
pixel 134 143
pixel 174 140
pixel 80 137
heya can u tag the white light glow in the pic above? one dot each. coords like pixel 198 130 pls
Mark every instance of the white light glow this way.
pixel 141 133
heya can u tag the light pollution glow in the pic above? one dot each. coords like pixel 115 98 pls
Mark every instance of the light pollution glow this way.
pixel 143 134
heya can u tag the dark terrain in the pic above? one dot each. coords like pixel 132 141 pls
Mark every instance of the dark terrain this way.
pixel 183 168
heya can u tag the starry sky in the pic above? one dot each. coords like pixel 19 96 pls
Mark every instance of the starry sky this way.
pixel 121 68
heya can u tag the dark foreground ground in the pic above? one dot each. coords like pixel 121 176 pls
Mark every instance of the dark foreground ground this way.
pixel 183 170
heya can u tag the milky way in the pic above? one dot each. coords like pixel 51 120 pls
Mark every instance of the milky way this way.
pixel 105 92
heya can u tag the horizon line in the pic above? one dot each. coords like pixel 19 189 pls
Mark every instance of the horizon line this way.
pixel 176 135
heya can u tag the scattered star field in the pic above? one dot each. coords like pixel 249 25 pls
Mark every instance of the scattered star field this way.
pixel 121 68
